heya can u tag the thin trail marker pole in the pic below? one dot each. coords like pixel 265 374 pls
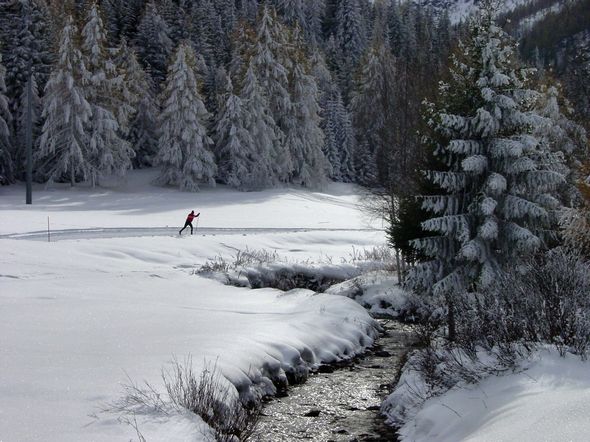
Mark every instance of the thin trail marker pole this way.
pixel 48 231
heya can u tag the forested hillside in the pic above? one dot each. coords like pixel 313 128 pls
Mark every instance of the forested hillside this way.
pixel 251 95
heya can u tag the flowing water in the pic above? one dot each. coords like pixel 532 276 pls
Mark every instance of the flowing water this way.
pixel 342 405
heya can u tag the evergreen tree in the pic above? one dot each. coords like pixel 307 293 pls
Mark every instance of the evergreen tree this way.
pixel 374 110
pixel 143 122
pixel 240 164
pixel 108 96
pixel 497 205
pixel 27 43
pixel 5 117
pixel 269 60
pixel 305 137
pixel 65 143
pixel 262 128
pixel 122 18
pixel 293 12
pixel 153 43
pixel 314 13
pixel 351 37
pixel 340 145
pixel 563 138
pixel 176 20
pixel 185 154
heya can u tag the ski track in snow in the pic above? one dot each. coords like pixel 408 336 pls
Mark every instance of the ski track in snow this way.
pixel 132 232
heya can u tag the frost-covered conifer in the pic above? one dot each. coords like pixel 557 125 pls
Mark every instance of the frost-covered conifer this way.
pixel 351 38
pixel 563 138
pixel 374 112
pixel 263 131
pixel 238 159
pixel 26 42
pixel 314 12
pixel 339 145
pixel 65 141
pixel 269 59
pixel 107 93
pixel 184 155
pixel 153 43
pixel 305 138
pixel 143 123
pixel 5 117
pixel 497 204
pixel 293 12
pixel 175 17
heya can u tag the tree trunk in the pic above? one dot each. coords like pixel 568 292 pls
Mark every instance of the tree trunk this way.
pixel 451 318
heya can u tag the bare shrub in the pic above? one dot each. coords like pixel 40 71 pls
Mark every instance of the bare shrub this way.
pixel 206 395
pixel 544 300
pixel 241 258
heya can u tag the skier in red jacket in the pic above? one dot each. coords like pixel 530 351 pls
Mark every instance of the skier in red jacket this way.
pixel 189 221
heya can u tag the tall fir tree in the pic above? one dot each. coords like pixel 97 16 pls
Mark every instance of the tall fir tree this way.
pixel 143 123
pixel 351 38
pixel 263 131
pixel 107 93
pixel 305 138
pixel 153 43
pixel 272 64
pixel 65 142
pixel 374 111
pixel 6 175
pixel 27 47
pixel 238 161
pixel 497 200
pixel 185 156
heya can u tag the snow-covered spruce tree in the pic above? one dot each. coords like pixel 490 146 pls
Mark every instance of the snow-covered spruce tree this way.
pixel 143 123
pixel 269 59
pixel 314 12
pixel 351 38
pixel 184 154
pixel 292 11
pixel 496 205
pixel 26 43
pixel 175 17
pixel 374 111
pixel 343 143
pixel 263 131
pixel 65 143
pixel 107 93
pixel 5 117
pixel 563 138
pixel 305 138
pixel 122 18
pixel 237 159
pixel 153 43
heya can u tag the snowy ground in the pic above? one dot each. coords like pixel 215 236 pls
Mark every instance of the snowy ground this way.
pixel 549 401
pixel 81 313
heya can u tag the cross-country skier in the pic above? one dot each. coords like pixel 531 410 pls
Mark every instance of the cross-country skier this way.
pixel 189 221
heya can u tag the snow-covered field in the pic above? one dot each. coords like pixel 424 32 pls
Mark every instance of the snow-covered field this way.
pixel 80 314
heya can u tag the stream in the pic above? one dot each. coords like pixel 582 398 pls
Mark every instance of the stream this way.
pixel 340 404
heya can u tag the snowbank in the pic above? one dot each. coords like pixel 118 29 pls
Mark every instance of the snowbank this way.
pixel 548 399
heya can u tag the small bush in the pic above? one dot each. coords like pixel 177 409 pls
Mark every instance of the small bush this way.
pixel 206 395
pixel 212 399
pixel 545 300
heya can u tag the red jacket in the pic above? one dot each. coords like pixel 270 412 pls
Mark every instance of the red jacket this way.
pixel 191 216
